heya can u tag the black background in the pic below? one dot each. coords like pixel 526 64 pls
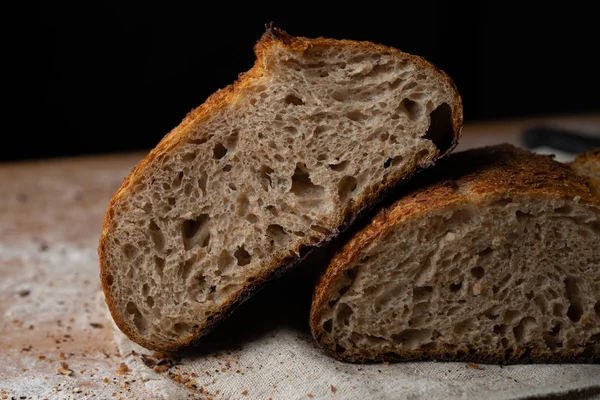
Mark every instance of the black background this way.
pixel 114 76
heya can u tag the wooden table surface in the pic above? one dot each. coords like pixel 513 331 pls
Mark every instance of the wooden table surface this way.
pixel 55 340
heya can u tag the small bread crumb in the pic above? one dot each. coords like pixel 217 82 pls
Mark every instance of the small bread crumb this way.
pixel 123 369
pixel 333 389
pixel 64 369
pixel 473 365
pixel 244 393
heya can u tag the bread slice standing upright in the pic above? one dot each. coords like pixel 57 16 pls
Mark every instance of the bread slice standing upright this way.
pixel 265 169
pixel 494 257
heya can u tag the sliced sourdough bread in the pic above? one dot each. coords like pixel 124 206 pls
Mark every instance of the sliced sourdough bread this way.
pixel 262 172
pixel 588 164
pixel 494 257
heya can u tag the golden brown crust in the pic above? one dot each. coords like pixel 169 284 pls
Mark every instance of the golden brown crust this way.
pixel 587 164
pixel 271 39
pixel 472 176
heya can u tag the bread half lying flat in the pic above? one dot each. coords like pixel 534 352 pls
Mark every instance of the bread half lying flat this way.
pixel 588 164
pixel 494 257
pixel 266 168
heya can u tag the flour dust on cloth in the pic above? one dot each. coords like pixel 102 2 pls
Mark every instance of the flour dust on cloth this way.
pixel 265 350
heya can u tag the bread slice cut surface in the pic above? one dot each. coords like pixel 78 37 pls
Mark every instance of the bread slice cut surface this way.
pixel 493 257
pixel 264 170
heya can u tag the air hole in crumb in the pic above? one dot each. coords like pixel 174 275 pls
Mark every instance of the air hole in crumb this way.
pixel 130 251
pixel 511 315
pixel 195 232
pixel 273 210
pixel 181 327
pixel 441 128
pixel 156 236
pixel 327 326
pixel 159 265
pixel 219 151
pixel 265 177
pixel 422 293
pixel 343 313
pixel 357 116
pixel 523 330
pixel 202 181
pixel 293 100
pixel 394 84
pixel 530 295
pixel 477 272
pixel 346 186
pixel 178 179
pixel 138 319
pixel 302 185
pixel 499 329
pixel 455 287
pixel 320 229
pixel 184 269
pixel 109 279
pixel 597 308
pixel 252 218
pixel 242 256
pixel 291 130
pixel 232 140
pixel 411 109
pixel 392 161
pixel 279 158
pixel 150 301
pixel 277 233
pixel 411 338
pixel 198 141
pixel 322 157
pixel 227 168
pixel 504 342
pixel 339 167
pixel 352 272
pixel 566 209
pixel 188 157
pixel 558 310
pixel 225 261
pixel 319 130
pixel 464 326
pixel 575 308
pixel 339 95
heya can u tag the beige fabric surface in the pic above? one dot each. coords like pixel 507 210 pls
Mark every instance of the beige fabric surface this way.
pixel 265 350
pixel 285 365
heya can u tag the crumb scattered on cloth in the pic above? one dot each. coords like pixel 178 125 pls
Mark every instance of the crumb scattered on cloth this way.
pixel 284 363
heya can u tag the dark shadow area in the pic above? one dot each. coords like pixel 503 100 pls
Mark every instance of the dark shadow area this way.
pixel 94 78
